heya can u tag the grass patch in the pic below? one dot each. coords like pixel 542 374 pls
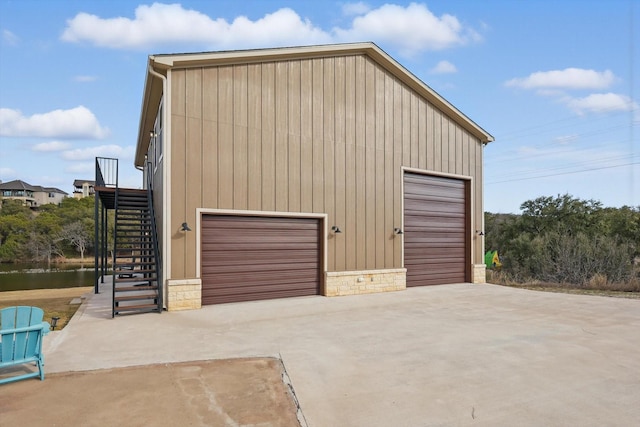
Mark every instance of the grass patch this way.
pixel 54 302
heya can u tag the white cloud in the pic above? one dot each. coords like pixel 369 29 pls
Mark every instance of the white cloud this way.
pixel 81 168
pixel 10 38
pixel 444 67
pixel 52 146
pixel 77 122
pixel 566 139
pixel 85 79
pixel 112 150
pixel 410 29
pixel 359 8
pixel 7 172
pixel 569 78
pixel 171 23
pixel 601 103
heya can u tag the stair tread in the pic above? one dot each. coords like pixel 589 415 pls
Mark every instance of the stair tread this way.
pixel 134 263
pixel 135 288
pixel 138 307
pixel 136 279
pixel 135 298
pixel 133 271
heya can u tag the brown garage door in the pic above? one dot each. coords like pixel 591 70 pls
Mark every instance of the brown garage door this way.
pixel 436 230
pixel 248 258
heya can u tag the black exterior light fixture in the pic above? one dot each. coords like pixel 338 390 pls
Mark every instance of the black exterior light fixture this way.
pixel 480 232
pixel 185 227
pixel 336 229
pixel 398 231
pixel 54 322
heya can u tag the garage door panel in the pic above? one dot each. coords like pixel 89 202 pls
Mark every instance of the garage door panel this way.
pixel 249 282
pixel 436 240
pixel 437 184
pixel 257 268
pixel 233 259
pixel 415 207
pixel 256 244
pixel 255 296
pixel 252 258
pixel 448 199
pixel 248 222
pixel 435 279
pixel 436 234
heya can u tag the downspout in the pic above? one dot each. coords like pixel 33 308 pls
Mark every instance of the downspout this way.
pixel 165 214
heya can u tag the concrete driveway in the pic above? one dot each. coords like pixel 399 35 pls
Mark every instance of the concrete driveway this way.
pixel 450 355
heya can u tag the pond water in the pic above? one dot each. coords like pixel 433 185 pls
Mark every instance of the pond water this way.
pixel 17 277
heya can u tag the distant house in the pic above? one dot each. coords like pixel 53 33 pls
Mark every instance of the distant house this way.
pixel 83 188
pixel 31 195
pixel 326 170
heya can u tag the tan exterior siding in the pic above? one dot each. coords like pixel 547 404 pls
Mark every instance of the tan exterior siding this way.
pixel 323 135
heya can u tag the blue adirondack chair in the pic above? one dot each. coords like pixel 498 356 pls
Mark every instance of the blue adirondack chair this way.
pixel 21 333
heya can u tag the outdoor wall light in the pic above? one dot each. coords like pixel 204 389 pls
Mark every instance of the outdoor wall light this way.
pixel 54 322
pixel 185 227
pixel 480 232
pixel 398 231
pixel 336 229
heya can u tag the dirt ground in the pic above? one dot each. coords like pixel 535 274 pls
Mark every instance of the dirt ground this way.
pixel 232 392
pixel 44 293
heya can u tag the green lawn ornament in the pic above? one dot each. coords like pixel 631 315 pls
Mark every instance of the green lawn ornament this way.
pixel 492 260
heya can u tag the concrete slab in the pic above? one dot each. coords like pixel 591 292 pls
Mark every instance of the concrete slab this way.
pixel 444 355
pixel 237 392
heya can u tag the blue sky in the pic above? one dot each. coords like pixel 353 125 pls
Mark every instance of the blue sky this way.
pixel 555 82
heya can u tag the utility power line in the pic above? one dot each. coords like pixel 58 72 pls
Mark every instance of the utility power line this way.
pixel 564 173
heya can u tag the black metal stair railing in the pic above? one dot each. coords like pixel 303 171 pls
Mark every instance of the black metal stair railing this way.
pixel 135 259
pixel 106 176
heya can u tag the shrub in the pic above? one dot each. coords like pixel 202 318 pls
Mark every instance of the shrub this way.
pixel 561 258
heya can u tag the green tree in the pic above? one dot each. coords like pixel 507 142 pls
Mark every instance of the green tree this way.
pixel 569 214
pixel 15 226
pixel 566 240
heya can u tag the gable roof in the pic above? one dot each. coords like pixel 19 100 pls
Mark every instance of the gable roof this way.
pixel 159 64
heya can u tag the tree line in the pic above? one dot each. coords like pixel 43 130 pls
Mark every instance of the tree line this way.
pixel 558 239
pixel 51 231
pixel 566 240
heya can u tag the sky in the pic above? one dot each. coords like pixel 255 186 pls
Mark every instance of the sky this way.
pixel 556 82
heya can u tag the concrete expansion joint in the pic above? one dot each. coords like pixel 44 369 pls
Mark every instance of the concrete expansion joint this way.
pixel 287 381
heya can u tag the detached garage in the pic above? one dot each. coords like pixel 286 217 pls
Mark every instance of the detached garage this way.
pixel 319 170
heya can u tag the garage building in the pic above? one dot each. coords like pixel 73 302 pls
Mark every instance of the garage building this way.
pixel 321 170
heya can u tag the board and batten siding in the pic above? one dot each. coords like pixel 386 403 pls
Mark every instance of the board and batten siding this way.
pixel 323 135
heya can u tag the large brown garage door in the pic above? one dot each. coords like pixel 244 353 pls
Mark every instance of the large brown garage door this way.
pixel 248 258
pixel 436 230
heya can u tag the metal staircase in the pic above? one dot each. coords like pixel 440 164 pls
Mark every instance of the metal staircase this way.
pixel 135 269
pixel 135 265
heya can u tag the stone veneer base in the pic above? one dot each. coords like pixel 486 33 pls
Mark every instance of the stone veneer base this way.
pixel 479 273
pixel 185 294
pixel 339 283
